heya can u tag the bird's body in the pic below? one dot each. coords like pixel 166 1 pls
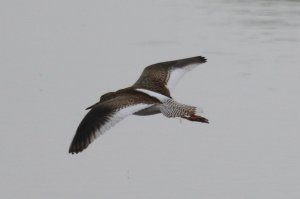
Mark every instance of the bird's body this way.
pixel 149 95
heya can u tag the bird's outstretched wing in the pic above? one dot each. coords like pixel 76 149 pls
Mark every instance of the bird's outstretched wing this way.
pixel 102 117
pixel 163 76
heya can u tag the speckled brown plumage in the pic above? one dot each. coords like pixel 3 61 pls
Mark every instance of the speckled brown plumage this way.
pixel 156 76
pixel 100 114
pixel 143 98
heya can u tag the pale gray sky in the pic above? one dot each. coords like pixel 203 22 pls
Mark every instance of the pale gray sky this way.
pixel 58 57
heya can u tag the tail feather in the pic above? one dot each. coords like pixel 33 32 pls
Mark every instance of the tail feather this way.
pixel 171 108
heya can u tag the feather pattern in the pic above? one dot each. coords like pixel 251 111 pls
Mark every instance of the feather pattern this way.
pixel 171 108
pixel 163 76
pixel 149 95
pixel 103 116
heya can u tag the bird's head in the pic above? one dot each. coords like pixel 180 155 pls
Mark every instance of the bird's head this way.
pixel 107 96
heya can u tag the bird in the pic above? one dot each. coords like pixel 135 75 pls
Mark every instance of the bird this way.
pixel 149 95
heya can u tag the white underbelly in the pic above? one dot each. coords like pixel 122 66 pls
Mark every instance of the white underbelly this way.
pixel 149 111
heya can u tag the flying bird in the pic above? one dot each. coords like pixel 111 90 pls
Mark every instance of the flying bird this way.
pixel 149 95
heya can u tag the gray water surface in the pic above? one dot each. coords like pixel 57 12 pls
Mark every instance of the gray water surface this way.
pixel 58 57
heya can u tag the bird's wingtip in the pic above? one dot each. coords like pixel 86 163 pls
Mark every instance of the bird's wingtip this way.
pixel 201 59
pixel 74 152
pixel 75 149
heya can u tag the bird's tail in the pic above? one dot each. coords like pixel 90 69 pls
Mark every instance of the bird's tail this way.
pixel 171 108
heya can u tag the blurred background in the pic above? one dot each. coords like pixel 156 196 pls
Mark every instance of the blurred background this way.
pixel 58 57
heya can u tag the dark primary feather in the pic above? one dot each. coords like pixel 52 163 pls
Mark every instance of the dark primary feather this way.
pixel 101 113
pixel 155 77
pixel 91 123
